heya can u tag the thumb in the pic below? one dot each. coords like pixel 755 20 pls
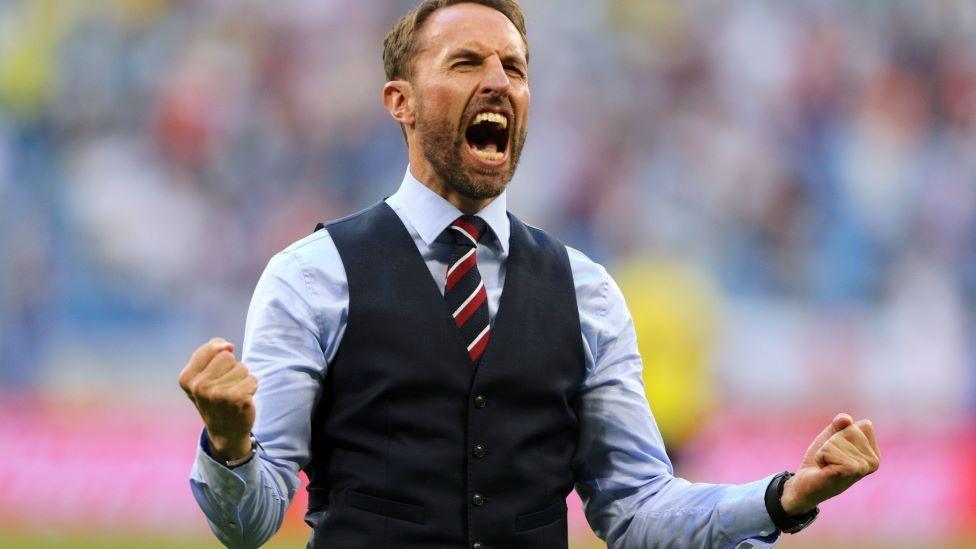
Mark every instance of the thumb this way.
pixel 840 422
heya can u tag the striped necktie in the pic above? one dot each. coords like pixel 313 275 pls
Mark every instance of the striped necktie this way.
pixel 465 291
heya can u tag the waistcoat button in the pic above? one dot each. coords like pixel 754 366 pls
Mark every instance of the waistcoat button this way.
pixel 480 401
pixel 477 545
pixel 478 500
pixel 480 451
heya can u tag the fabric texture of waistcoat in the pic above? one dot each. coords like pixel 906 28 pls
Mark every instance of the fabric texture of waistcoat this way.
pixel 414 447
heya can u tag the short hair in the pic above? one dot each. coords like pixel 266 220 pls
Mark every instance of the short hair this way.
pixel 400 47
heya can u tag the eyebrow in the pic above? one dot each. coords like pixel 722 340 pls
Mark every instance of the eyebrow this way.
pixel 468 53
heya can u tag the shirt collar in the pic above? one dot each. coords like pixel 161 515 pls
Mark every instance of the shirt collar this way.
pixel 430 214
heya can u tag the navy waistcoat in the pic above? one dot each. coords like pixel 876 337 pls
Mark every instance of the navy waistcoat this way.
pixel 414 447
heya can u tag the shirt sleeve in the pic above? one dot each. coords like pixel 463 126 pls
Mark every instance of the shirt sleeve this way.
pixel 294 324
pixel 623 475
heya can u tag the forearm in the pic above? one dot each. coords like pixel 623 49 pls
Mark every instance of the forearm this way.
pixel 631 496
pixel 244 506
pixel 682 514
pixel 285 351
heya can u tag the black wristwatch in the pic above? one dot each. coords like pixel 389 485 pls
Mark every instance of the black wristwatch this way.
pixel 774 506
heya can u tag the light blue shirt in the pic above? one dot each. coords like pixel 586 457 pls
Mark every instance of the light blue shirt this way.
pixel 294 325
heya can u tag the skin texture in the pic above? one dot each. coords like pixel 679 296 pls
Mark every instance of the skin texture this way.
pixel 222 390
pixel 446 90
pixel 434 107
pixel 842 454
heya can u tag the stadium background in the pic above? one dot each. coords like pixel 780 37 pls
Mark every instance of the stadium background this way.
pixel 786 191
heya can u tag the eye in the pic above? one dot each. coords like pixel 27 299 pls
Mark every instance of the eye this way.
pixel 466 63
pixel 515 70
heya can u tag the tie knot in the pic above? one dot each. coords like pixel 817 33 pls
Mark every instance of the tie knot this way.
pixel 468 230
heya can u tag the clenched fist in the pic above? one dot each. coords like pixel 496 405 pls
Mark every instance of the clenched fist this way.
pixel 844 453
pixel 222 390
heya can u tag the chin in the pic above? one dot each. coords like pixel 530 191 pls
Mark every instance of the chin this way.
pixel 482 183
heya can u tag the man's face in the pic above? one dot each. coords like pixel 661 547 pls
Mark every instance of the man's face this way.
pixel 470 78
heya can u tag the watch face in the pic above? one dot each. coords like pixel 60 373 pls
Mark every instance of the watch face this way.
pixel 806 521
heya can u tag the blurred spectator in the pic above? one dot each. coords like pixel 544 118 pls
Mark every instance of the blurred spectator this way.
pixel 788 189
pixel 155 154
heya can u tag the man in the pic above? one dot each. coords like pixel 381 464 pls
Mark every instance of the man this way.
pixel 446 374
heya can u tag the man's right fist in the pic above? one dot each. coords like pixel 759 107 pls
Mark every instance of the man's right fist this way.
pixel 222 390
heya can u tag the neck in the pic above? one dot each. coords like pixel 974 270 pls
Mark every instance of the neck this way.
pixel 422 171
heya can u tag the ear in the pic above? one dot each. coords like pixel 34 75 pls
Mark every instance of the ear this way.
pixel 398 99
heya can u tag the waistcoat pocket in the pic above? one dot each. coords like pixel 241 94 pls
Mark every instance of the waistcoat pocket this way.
pixel 386 507
pixel 538 519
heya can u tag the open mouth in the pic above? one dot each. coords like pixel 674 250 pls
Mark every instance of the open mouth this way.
pixel 487 136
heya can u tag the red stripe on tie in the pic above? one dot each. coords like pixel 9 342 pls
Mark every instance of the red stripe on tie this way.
pixel 479 349
pixel 461 270
pixel 471 307
pixel 471 229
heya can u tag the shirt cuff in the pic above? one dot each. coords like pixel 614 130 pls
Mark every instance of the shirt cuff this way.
pixel 229 485
pixel 744 515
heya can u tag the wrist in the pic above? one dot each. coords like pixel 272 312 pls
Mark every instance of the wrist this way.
pixel 230 449
pixel 776 500
pixel 791 503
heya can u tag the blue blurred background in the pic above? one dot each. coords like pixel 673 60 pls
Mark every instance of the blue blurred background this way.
pixel 786 192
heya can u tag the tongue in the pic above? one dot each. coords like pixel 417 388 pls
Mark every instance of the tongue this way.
pixel 490 147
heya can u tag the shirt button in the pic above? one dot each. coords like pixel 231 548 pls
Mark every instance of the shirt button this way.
pixel 478 500
pixel 477 545
pixel 480 401
pixel 480 451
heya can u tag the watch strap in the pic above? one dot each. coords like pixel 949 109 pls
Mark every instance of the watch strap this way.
pixel 774 506
pixel 230 464
pixel 208 449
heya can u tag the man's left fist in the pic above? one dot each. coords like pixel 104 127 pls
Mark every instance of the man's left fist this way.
pixel 844 453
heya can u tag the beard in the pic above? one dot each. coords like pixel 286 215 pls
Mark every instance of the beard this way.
pixel 444 145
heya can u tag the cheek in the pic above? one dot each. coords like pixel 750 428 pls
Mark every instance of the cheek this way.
pixel 522 102
pixel 440 101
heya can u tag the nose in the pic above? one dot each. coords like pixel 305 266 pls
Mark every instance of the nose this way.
pixel 496 80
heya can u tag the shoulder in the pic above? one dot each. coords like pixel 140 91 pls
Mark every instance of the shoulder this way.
pixel 309 250
pixel 310 262
pixel 319 241
pixel 584 267
pixel 594 286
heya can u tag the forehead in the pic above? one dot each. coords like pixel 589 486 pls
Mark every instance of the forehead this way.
pixel 470 26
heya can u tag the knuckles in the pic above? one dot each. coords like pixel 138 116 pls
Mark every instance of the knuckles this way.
pixel 216 343
pixel 193 386
pixel 237 393
pixel 871 465
pixel 211 394
pixel 221 388
pixel 185 379
pixel 206 389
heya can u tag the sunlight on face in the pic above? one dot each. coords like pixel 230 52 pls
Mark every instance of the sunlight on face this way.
pixel 472 98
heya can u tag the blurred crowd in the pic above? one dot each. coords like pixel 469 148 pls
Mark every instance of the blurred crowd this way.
pixel 812 162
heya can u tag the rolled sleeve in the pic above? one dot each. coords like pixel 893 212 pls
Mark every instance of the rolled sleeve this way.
pixel 228 485
pixel 295 320
pixel 623 474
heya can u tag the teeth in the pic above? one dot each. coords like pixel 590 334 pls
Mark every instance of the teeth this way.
pixel 492 117
pixel 490 156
